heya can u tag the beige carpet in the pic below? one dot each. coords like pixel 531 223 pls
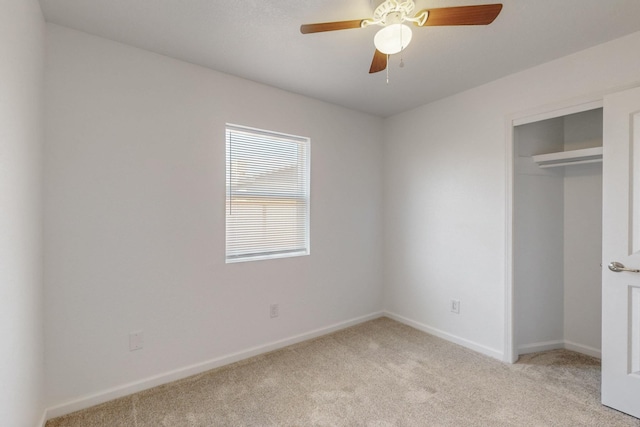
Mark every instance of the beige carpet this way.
pixel 380 373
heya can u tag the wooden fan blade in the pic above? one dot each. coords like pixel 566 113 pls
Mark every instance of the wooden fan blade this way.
pixel 330 26
pixel 483 14
pixel 379 62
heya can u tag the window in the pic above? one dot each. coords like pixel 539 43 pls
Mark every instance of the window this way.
pixel 267 209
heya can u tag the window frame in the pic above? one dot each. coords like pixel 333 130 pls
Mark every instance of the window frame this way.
pixel 305 197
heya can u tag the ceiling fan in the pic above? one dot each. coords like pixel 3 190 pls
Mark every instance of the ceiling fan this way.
pixel 393 15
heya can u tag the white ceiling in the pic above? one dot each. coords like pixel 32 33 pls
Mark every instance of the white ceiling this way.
pixel 260 40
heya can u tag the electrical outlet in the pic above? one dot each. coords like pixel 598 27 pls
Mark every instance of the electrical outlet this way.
pixel 136 340
pixel 274 310
pixel 455 306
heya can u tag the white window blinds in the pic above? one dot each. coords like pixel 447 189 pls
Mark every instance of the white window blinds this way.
pixel 267 209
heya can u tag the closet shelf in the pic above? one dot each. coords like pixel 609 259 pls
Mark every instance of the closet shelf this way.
pixel 565 158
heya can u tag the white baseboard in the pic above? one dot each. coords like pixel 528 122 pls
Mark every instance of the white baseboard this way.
pixel 43 419
pixel 540 346
pixel 558 344
pixel 584 349
pixel 187 371
pixel 496 354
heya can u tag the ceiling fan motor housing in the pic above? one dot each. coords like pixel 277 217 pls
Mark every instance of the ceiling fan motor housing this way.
pixel 393 11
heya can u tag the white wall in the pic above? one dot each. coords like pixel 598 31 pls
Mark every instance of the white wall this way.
pixel 538 243
pixel 134 218
pixel 583 236
pixel 21 291
pixel 445 191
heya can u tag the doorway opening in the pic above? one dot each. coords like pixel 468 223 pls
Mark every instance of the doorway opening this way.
pixel 555 232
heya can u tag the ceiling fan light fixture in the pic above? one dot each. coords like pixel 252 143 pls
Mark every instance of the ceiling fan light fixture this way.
pixel 392 38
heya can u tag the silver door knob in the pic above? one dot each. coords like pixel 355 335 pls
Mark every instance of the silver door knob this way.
pixel 618 267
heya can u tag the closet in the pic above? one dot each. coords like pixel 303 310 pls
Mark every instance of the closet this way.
pixel 557 233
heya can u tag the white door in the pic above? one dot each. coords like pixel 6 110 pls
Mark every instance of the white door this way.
pixel 621 244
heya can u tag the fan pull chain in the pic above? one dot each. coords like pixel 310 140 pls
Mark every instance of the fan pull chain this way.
pixel 388 68
pixel 401 50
